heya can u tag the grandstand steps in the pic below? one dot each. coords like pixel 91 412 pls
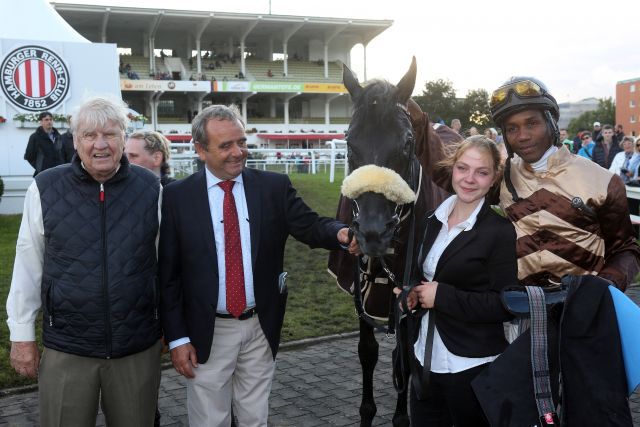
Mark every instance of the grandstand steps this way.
pixel 256 70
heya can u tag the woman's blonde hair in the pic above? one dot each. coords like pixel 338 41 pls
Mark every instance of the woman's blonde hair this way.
pixel 479 142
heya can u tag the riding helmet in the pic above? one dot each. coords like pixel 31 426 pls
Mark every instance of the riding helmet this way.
pixel 512 102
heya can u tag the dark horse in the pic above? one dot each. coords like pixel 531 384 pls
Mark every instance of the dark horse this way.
pixel 393 138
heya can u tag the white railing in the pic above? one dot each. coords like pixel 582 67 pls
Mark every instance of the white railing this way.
pixel 634 193
pixel 184 160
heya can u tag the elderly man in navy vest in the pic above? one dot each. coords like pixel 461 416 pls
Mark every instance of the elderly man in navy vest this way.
pixel 86 256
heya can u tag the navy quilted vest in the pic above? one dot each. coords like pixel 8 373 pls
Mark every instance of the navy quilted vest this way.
pixel 99 290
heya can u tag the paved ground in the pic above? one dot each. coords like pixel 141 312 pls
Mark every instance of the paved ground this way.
pixel 316 384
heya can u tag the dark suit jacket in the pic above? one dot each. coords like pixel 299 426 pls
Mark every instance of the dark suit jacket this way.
pixel 42 153
pixel 188 267
pixel 472 270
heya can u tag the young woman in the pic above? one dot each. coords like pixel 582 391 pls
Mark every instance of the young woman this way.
pixel 467 256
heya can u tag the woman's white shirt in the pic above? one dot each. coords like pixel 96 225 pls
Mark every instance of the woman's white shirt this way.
pixel 442 360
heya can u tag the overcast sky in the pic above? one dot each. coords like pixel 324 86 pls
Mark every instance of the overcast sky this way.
pixel 579 48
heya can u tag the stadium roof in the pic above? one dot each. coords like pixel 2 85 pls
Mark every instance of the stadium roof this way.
pixel 94 21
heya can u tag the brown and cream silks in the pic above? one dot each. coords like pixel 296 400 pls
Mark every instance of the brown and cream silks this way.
pixel 555 238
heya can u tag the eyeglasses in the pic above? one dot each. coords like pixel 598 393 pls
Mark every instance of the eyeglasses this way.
pixel 523 89
pixel 107 136
pixel 585 137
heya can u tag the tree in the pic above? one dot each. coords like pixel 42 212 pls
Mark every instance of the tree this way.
pixel 474 109
pixel 438 100
pixel 605 114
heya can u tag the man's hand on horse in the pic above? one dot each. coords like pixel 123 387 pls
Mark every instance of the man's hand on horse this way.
pixel 426 293
pixel 350 243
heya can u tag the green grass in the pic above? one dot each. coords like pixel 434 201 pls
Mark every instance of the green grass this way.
pixel 315 307
pixel 9 225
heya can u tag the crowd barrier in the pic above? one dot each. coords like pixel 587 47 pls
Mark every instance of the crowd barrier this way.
pixel 184 160
pixel 634 193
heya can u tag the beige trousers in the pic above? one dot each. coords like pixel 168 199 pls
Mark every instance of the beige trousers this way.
pixel 239 371
pixel 70 387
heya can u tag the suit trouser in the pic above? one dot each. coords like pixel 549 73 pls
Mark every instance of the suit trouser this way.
pixel 449 400
pixel 70 388
pixel 240 370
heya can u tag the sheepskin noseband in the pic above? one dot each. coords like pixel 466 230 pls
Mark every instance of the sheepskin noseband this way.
pixel 378 180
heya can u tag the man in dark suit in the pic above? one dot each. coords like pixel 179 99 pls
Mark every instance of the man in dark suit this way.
pixel 221 253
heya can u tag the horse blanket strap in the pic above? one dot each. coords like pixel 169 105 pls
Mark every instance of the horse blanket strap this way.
pixel 357 299
pixel 539 362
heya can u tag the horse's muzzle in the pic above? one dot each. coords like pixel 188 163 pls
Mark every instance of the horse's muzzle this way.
pixel 374 241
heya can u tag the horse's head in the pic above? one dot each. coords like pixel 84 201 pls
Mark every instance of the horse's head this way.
pixel 380 143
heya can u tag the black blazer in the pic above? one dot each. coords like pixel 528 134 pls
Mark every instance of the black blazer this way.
pixel 472 270
pixel 188 269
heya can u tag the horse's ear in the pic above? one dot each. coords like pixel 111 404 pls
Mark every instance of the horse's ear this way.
pixel 350 82
pixel 407 83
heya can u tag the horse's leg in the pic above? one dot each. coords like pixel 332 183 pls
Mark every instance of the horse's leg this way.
pixel 368 354
pixel 400 416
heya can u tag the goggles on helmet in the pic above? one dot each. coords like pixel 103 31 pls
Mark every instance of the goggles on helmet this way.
pixel 522 89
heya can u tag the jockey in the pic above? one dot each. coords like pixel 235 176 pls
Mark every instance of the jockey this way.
pixel 571 218
pixel 570 214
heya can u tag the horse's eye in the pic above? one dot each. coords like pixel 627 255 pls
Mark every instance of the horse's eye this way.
pixel 408 145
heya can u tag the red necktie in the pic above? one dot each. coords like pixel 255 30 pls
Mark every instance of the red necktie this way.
pixel 236 299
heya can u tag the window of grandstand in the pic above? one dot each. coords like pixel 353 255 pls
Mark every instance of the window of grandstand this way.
pixel 166 107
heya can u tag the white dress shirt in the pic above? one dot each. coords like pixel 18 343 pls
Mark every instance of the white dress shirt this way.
pixel 216 198
pixel 442 360
pixel 24 301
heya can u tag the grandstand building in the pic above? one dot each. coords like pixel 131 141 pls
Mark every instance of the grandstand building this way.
pixel 283 72
pixel 571 110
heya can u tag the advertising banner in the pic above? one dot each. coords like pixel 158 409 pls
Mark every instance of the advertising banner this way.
pixel 278 86
pixel 165 85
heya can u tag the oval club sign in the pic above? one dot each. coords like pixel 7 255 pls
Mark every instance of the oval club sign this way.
pixel 34 78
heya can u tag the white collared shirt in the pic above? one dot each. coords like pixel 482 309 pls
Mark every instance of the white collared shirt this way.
pixel 216 198
pixel 442 360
